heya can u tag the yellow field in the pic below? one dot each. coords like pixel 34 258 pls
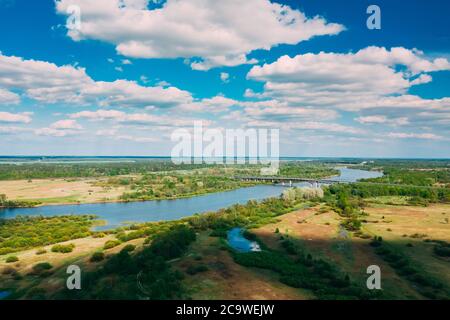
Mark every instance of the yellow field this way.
pixel 61 191
pixel 321 235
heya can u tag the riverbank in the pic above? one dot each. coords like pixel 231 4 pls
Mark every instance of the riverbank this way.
pixel 54 192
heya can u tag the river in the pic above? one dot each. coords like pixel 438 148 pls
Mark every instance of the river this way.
pixel 117 214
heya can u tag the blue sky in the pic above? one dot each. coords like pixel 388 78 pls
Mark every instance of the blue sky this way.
pixel 136 71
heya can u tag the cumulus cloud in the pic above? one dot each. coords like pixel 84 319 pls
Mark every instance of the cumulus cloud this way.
pixel 61 128
pixel 381 119
pixel 8 97
pixel 10 130
pixel 50 132
pixel 133 118
pixel 373 82
pixel 331 127
pixel 284 111
pixel 403 135
pixel 66 125
pixel 24 117
pixel 225 77
pixel 212 33
pixel 370 72
pixel 215 104
pixel 47 82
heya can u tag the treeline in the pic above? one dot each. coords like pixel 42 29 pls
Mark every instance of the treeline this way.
pixel 153 187
pixel 5 203
pixel 142 275
pixel 111 169
pixel 309 170
pixel 23 233
pixel 367 190
pixel 411 172
pixel 83 170
pixel 418 177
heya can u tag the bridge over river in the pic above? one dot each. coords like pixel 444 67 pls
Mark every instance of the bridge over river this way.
pixel 289 180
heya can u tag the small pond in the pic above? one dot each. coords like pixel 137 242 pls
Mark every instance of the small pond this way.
pixel 238 242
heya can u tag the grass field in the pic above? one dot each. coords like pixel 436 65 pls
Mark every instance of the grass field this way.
pixel 61 191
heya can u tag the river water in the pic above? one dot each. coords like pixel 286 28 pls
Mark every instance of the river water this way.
pixel 121 213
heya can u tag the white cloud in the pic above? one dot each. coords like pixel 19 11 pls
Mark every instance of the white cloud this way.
pixel 323 126
pixel 373 83
pixel 61 128
pixel 368 73
pixel 133 118
pixel 225 77
pixel 381 119
pixel 219 33
pixel 106 132
pixel 24 117
pixel 8 97
pixel 136 139
pixel 126 61
pixel 66 125
pixel 50 132
pixel 49 83
pixel 283 111
pixel 403 135
pixel 10 130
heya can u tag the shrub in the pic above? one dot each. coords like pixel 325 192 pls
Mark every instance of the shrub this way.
pixel 289 246
pixel 61 248
pixel 41 251
pixel 12 259
pixel 192 270
pixel 173 243
pixel 98 235
pixel 442 251
pixel 42 266
pixel 97 256
pixel 129 248
pixel 111 244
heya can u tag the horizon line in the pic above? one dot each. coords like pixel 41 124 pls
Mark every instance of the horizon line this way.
pixel 168 157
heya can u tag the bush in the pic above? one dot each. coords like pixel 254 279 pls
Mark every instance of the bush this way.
pixel 42 266
pixel 192 270
pixel 36 232
pixel 173 243
pixel 12 259
pixel 111 244
pixel 98 235
pixel 97 256
pixel 41 251
pixel 289 246
pixel 129 248
pixel 61 248
pixel 442 251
